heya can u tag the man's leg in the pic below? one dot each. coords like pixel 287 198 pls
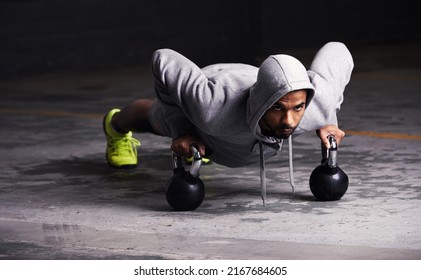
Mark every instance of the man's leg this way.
pixel 119 126
pixel 133 118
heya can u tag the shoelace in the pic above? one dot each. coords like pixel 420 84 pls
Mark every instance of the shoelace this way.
pixel 124 145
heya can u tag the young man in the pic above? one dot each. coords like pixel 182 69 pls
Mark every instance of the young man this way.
pixel 237 114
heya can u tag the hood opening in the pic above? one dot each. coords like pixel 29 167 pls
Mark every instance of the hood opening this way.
pixel 277 76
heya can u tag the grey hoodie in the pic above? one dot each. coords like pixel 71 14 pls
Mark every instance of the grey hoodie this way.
pixel 223 103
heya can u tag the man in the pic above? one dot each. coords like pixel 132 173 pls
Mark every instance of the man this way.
pixel 237 114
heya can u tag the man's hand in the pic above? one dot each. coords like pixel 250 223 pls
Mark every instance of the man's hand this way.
pixel 181 145
pixel 330 130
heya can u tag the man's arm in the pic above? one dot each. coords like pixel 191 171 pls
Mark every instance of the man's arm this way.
pixel 189 96
pixel 329 73
pixel 172 73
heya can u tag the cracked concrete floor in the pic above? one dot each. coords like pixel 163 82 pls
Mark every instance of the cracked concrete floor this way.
pixel 60 200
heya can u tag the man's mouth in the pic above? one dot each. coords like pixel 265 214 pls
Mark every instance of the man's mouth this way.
pixel 285 133
pixel 281 133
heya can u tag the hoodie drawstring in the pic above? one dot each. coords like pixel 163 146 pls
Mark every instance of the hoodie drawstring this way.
pixel 262 173
pixel 263 169
pixel 291 167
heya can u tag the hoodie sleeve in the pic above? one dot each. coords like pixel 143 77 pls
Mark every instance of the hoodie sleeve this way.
pixel 189 97
pixel 329 73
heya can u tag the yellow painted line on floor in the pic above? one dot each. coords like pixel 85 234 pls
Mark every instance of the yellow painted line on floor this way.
pixel 51 113
pixel 387 135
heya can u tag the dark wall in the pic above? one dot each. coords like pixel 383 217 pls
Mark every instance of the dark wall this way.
pixel 356 22
pixel 81 35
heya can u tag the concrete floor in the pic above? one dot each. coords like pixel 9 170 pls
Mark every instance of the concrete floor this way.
pixel 60 200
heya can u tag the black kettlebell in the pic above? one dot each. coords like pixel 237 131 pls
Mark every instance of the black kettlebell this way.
pixel 185 191
pixel 328 181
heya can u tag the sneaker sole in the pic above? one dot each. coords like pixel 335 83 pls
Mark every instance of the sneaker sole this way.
pixel 126 166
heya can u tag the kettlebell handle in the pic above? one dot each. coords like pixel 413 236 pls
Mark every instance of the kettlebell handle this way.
pixel 196 164
pixel 197 161
pixel 332 152
pixel 332 141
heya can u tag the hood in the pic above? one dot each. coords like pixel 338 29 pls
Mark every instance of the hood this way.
pixel 278 75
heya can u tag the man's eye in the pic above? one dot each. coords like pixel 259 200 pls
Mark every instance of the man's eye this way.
pixel 277 107
pixel 299 107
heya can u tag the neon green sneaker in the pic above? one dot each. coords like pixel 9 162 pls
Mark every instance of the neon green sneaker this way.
pixel 205 161
pixel 121 149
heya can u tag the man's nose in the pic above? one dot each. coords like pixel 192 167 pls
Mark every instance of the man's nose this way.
pixel 287 119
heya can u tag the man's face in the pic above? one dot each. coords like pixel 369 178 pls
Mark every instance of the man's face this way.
pixel 283 117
